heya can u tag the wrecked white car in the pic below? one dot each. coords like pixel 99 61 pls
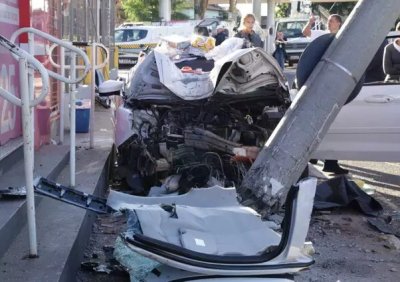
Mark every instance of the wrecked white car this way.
pixel 186 134
pixel 207 130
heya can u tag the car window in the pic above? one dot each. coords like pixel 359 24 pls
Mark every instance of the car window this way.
pixel 292 29
pixel 127 35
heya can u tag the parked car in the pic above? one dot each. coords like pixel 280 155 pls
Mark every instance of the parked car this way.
pixel 132 39
pixel 367 128
pixel 296 42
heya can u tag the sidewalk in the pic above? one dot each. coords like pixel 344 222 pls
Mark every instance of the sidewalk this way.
pixel 62 230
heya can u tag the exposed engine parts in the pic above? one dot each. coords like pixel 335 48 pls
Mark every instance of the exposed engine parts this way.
pixel 180 147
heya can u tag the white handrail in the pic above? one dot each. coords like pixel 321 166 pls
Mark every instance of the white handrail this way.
pixel 19 53
pixel 27 102
pixel 72 133
pixel 100 66
pixel 61 43
pixel 72 80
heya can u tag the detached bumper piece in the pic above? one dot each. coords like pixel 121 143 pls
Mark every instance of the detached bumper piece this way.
pixel 200 248
pixel 13 192
pixel 71 196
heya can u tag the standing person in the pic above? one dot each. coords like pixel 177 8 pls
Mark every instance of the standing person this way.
pixel 221 35
pixel 391 59
pixel 334 24
pixel 248 33
pixel 280 52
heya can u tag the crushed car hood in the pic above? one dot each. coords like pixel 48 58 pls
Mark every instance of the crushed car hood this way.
pixel 243 73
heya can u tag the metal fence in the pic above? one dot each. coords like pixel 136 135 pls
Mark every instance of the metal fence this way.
pixel 89 21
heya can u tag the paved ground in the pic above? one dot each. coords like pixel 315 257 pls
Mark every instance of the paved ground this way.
pixel 347 248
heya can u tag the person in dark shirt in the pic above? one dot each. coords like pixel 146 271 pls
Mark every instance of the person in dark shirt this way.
pixel 374 72
pixel 280 52
pixel 248 33
pixel 391 59
pixel 220 36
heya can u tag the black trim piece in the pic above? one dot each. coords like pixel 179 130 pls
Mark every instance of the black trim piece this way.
pixel 274 276
pixel 180 251
pixel 380 83
pixel 229 267
pixel 71 196
pixel 80 44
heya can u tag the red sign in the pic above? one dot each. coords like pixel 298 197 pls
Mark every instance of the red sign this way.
pixel 10 115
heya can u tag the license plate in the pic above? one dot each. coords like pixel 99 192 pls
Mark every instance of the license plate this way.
pixel 127 61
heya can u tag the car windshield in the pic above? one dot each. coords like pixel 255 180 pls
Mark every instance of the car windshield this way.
pixel 127 35
pixel 292 29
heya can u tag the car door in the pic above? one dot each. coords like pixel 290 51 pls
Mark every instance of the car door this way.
pixel 368 128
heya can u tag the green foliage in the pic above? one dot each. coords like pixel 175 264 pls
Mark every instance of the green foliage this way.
pixel 141 10
pixel 120 14
pixel 147 10
pixel 341 8
pixel 282 10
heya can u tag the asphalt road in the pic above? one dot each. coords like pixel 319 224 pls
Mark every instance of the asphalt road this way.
pixel 290 73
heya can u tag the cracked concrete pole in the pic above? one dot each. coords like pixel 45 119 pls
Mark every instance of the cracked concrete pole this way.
pixel 286 153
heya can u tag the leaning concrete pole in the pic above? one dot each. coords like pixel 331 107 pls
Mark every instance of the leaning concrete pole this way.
pixel 257 10
pixel 164 10
pixel 270 40
pixel 286 153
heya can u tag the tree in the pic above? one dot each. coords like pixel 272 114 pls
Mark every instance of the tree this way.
pixel 147 10
pixel 232 5
pixel 200 8
pixel 119 13
pixel 282 10
pixel 341 8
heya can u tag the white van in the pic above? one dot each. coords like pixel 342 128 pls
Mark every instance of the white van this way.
pixel 132 39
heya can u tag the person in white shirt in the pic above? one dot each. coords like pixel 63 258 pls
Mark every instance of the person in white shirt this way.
pixel 334 24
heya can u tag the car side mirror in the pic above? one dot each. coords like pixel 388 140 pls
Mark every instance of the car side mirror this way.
pixel 110 88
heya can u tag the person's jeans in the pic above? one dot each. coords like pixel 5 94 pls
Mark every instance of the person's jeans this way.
pixel 280 57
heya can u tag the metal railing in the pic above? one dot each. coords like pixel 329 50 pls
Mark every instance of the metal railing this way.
pixel 27 102
pixel 95 67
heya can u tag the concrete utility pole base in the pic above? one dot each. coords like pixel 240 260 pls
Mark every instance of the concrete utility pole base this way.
pixel 286 153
